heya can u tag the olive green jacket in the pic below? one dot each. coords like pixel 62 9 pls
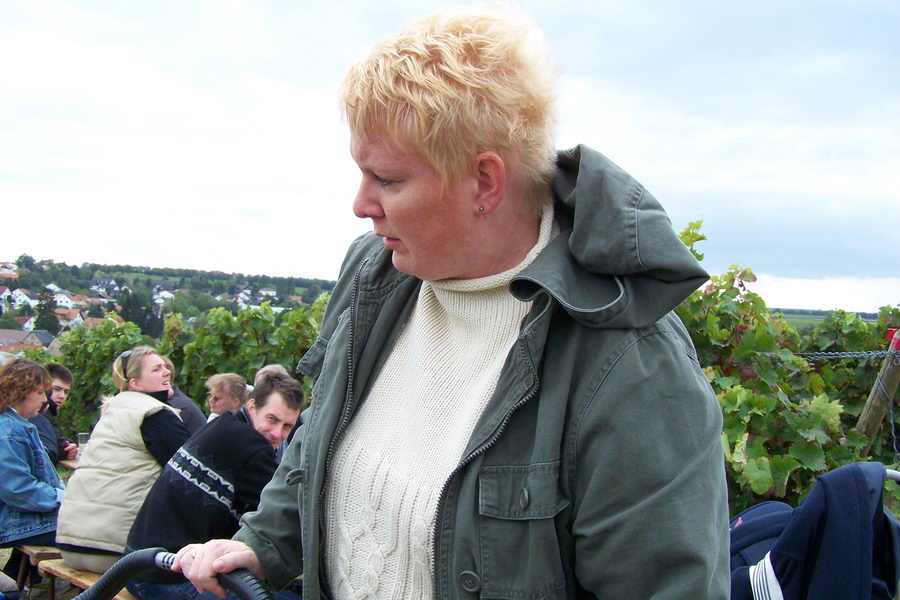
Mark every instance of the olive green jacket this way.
pixel 596 469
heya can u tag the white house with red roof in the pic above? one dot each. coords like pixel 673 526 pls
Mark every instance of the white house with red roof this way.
pixel 9 270
pixel 63 301
pixel 68 317
pixel 26 323
pixel 94 321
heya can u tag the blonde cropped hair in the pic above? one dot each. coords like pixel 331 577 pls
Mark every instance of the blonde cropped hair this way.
pixel 134 363
pixel 459 83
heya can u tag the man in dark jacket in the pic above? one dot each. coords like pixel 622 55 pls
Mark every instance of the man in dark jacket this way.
pixel 213 479
pixel 57 447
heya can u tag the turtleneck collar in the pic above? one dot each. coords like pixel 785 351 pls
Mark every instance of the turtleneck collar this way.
pixel 161 395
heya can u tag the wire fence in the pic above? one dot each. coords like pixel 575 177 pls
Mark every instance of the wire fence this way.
pixel 865 355
pixel 817 356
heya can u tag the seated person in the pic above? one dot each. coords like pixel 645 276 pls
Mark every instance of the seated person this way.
pixel 213 479
pixel 136 435
pixel 57 447
pixel 188 410
pixel 266 370
pixel 227 393
pixel 30 490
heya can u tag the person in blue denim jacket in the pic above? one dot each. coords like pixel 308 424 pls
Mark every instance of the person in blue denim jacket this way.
pixel 30 490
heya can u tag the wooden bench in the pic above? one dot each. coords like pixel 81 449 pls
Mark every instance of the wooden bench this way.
pixel 33 555
pixel 83 579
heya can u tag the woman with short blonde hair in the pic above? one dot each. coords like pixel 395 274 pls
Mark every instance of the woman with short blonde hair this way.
pixel 504 404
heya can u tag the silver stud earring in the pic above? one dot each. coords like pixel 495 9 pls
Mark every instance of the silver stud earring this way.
pixel 480 209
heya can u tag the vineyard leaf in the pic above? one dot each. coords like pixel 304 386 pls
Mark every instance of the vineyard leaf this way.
pixel 759 473
pixel 811 456
pixel 782 467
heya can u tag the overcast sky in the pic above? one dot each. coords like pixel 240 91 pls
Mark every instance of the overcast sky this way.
pixel 207 135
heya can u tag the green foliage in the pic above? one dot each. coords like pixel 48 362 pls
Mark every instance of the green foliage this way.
pixel 25 261
pixel 191 302
pixel 175 337
pixel 137 307
pixel 39 355
pixel 785 420
pixel 691 235
pixel 223 343
pixel 242 343
pixel 311 293
pixel 46 318
pixel 8 322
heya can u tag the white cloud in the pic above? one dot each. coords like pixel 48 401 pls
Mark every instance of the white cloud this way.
pixel 792 162
pixel 848 293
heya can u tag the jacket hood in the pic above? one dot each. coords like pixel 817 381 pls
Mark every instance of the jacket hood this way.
pixel 617 262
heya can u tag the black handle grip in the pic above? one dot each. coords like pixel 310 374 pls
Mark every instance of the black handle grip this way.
pixel 241 582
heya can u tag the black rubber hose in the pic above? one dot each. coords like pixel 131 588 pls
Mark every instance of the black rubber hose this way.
pixel 241 582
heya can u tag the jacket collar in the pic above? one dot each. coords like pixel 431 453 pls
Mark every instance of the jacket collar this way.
pixel 617 262
pixel 11 412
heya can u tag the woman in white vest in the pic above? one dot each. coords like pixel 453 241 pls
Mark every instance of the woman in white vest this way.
pixel 136 435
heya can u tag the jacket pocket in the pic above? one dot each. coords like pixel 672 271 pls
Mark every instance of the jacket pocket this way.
pixel 311 363
pixel 520 551
pixel 314 362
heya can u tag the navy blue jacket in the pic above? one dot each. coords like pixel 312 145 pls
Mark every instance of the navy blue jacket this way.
pixel 840 542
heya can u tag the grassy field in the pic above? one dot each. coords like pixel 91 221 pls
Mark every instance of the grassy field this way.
pixel 804 322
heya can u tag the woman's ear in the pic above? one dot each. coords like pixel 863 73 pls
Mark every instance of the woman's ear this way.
pixel 490 173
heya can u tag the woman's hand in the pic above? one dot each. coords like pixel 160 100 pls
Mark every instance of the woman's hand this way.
pixel 201 563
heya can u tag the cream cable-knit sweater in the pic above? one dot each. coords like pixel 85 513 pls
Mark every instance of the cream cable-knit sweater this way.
pixel 386 477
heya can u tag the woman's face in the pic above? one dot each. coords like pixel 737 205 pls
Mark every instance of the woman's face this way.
pixel 154 376
pixel 427 231
pixel 31 405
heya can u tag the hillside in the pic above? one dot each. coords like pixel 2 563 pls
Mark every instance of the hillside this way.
pixel 141 294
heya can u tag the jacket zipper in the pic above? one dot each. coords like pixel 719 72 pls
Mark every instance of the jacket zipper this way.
pixel 474 454
pixel 345 417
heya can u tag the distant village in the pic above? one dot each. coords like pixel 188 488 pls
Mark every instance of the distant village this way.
pixel 21 308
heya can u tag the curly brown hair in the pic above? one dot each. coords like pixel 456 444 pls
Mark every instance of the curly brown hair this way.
pixel 18 378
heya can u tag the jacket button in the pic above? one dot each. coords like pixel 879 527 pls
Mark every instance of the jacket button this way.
pixel 523 498
pixel 469 581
